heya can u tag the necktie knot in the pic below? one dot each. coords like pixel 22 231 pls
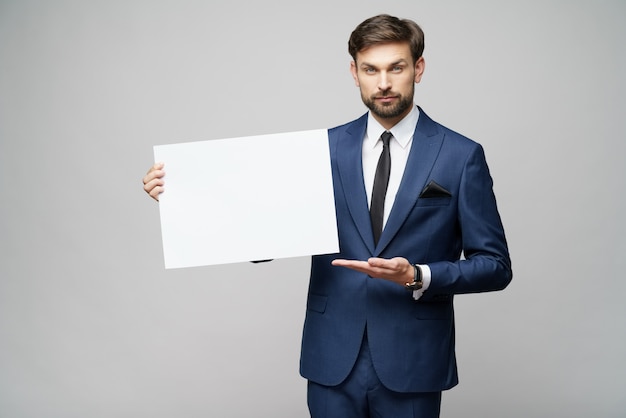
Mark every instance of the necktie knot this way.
pixel 386 137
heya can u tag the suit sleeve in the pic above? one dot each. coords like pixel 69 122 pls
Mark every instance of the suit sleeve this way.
pixel 486 265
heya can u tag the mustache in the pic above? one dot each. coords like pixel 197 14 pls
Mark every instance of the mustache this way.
pixel 385 94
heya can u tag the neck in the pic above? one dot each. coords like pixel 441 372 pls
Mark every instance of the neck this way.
pixel 390 122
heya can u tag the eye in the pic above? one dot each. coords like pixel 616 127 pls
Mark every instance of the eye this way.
pixel 397 68
pixel 369 70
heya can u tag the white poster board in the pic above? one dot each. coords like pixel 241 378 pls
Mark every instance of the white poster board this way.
pixel 245 199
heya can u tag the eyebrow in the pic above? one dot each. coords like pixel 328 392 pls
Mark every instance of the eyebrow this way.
pixel 400 61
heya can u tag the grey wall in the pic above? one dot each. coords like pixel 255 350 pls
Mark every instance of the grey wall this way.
pixel 91 325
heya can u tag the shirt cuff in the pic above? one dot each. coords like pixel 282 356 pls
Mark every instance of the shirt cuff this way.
pixel 426 275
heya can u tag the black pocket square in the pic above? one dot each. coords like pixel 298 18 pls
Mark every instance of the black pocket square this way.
pixel 433 189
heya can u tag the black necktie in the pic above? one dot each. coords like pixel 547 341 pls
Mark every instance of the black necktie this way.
pixel 381 181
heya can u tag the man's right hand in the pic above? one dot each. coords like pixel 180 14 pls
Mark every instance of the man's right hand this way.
pixel 153 181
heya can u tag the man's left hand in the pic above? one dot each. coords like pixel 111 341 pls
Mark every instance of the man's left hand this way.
pixel 397 269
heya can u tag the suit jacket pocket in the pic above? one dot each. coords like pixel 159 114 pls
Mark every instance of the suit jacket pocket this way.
pixel 316 303
pixel 433 201
pixel 433 310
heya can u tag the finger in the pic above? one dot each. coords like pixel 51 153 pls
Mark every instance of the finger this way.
pixel 353 264
pixel 360 266
pixel 378 262
pixel 154 188
pixel 393 264
pixel 157 166
pixel 357 265
pixel 381 266
pixel 150 184
pixel 155 171
pixel 156 192
pixel 153 174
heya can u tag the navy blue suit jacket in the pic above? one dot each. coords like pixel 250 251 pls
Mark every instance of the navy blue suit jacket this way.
pixel 411 342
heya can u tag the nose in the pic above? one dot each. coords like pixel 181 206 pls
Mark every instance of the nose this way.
pixel 384 83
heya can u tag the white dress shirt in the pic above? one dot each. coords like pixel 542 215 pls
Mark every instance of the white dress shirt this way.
pixel 399 148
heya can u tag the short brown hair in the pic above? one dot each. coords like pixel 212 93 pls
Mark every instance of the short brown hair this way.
pixel 384 29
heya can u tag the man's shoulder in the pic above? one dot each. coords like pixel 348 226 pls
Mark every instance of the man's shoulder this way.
pixel 457 136
pixel 432 127
pixel 360 122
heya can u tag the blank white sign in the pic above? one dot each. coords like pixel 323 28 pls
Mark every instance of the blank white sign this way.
pixel 244 199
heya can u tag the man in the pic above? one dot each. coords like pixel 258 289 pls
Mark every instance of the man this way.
pixel 417 223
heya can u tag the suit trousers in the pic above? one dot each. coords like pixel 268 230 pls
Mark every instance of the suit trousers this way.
pixel 362 395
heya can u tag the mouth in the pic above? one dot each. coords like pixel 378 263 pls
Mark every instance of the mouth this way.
pixel 385 99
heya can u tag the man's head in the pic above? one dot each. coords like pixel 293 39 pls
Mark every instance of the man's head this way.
pixel 387 62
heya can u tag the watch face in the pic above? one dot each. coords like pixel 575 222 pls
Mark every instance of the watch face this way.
pixel 414 286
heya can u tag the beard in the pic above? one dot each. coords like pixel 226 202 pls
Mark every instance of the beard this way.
pixel 389 111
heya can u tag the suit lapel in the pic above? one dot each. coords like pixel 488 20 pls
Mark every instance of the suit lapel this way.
pixel 427 141
pixel 350 165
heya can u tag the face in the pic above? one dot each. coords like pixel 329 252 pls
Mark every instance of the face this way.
pixel 386 76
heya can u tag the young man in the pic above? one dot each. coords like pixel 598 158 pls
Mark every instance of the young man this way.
pixel 411 197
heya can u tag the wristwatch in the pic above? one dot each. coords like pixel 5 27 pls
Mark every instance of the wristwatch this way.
pixel 417 279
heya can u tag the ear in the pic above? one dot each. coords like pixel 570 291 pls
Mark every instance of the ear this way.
pixel 353 71
pixel 420 65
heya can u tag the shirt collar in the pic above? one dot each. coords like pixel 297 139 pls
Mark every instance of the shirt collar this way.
pixel 401 131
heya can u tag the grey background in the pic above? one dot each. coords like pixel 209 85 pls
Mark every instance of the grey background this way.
pixel 91 325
